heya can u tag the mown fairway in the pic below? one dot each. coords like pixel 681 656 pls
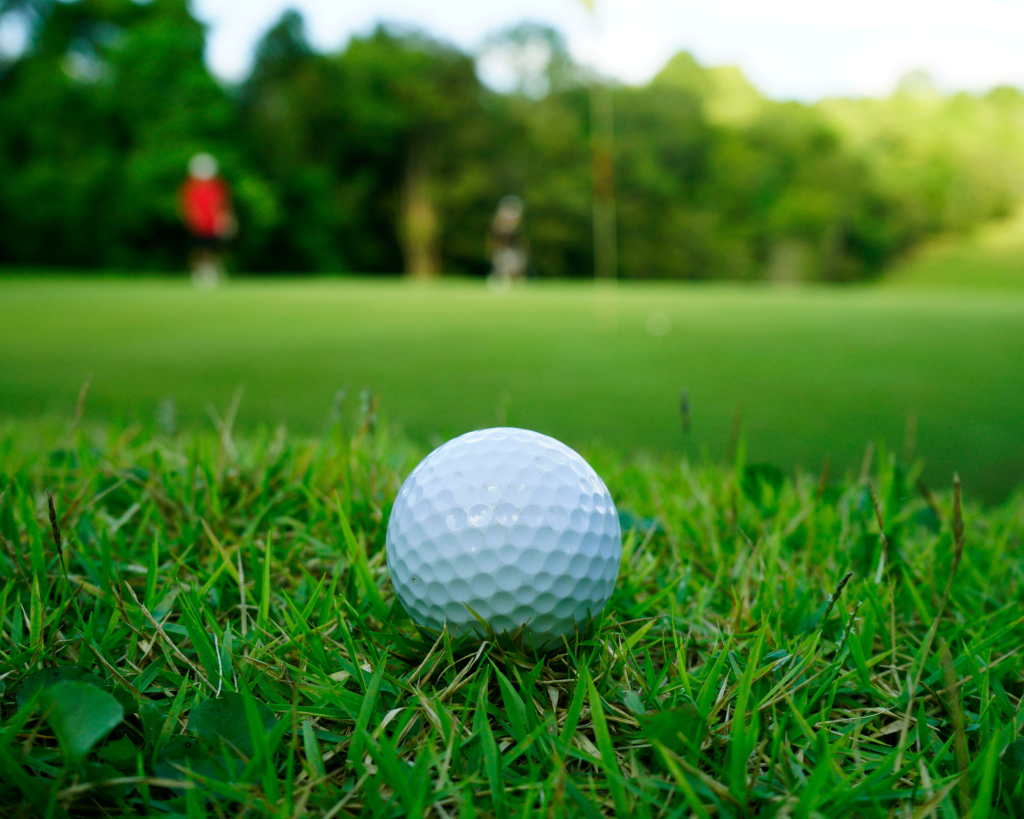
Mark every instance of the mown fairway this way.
pixel 818 372
pixel 991 257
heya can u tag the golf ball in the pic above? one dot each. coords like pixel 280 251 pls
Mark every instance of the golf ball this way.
pixel 511 524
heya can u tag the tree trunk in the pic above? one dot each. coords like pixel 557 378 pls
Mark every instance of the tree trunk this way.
pixel 602 146
pixel 420 228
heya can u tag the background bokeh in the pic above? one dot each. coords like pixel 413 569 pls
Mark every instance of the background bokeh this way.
pixel 329 154
pixel 833 269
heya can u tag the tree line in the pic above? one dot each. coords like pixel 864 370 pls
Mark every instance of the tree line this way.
pixel 391 154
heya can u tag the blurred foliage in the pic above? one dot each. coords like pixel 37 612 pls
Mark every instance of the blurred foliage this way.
pixel 356 161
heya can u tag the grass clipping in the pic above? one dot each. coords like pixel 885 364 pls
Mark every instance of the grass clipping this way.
pixel 786 646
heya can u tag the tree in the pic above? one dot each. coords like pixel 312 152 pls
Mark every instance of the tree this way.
pixel 391 155
pixel 99 119
pixel 354 145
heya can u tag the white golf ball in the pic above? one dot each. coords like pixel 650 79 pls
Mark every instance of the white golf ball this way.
pixel 511 524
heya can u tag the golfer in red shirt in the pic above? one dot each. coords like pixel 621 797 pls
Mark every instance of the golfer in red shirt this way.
pixel 207 211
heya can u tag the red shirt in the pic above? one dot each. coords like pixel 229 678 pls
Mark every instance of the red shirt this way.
pixel 206 207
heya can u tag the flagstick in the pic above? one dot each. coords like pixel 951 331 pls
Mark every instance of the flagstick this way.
pixel 602 148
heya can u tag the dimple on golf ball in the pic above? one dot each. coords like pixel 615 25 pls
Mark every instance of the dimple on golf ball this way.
pixel 511 524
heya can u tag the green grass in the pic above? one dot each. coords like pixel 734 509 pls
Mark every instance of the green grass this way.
pixel 728 676
pixel 818 373
pixel 992 257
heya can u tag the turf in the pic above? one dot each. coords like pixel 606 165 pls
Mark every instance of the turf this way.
pixel 817 373
pixel 990 257
pixel 737 670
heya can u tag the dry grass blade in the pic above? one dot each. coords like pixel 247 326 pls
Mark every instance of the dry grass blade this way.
pixel 929 498
pixel 958 525
pixel 227 443
pixel 823 479
pixel 865 464
pixel 883 561
pixel 170 643
pixel 910 437
pixel 356 790
pixel 932 805
pixel 117 675
pixel 119 781
pixel 242 606
pixel 83 394
pixel 959 736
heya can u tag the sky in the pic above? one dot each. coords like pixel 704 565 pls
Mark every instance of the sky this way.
pixel 790 49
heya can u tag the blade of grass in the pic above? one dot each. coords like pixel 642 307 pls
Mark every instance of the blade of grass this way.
pixel 355 748
pixel 689 794
pixel 361 565
pixel 739 749
pixel 492 762
pixel 607 749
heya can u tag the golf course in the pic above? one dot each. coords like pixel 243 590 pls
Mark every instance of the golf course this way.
pixel 198 616
pixel 445 410
pixel 801 375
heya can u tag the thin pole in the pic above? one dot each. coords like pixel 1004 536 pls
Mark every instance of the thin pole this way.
pixel 602 165
pixel 602 148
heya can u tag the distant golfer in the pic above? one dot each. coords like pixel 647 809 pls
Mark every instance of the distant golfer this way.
pixel 208 213
pixel 506 244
